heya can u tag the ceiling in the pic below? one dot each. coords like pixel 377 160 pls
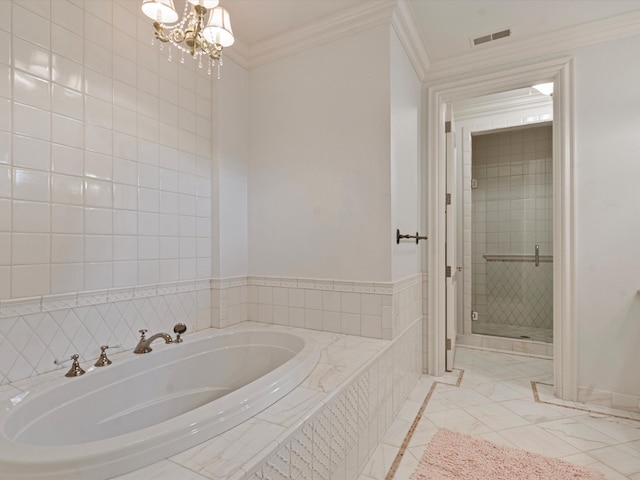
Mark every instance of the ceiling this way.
pixel 446 26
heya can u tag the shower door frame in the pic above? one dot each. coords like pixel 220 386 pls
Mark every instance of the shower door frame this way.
pixel 438 94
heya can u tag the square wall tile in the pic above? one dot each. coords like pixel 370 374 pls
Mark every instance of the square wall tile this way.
pixel 29 280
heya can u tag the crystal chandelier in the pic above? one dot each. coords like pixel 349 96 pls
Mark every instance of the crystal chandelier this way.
pixel 204 30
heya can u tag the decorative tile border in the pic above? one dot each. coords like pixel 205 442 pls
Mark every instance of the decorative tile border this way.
pixel 612 410
pixel 36 331
pixel 49 303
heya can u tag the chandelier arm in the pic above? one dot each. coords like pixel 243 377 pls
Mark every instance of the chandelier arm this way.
pixel 160 33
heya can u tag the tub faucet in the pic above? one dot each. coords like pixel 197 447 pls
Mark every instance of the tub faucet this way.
pixel 144 345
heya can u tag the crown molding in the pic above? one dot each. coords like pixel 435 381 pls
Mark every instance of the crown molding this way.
pixel 406 27
pixel 610 28
pixel 326 29
pixel 238 53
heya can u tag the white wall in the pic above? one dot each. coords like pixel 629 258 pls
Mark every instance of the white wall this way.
pixel 607 279
pixel 231 164
pixel 405 172
pixel 319 182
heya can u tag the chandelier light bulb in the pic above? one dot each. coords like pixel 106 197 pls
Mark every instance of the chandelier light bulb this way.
pixel 218 30
pixel 205 3
pixel 161 11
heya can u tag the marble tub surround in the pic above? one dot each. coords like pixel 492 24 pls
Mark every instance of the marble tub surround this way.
pixel 325 428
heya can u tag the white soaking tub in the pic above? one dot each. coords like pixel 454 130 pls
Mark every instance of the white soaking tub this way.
pixel 141 409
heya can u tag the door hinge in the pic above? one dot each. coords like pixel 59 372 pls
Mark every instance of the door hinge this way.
pixel 448 199
pixel 447 127
pixel 448 344
pixel 447 271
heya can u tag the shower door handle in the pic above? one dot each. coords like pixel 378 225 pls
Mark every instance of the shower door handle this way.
pixel 537 256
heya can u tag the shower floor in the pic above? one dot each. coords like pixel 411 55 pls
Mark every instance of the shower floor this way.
pixel 513 331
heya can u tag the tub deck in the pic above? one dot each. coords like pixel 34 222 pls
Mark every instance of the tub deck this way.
pixel 325 428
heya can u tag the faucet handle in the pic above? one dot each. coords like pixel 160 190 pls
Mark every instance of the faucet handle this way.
pixel 103 361
pixel 75 370
pixel 142 332
pixel 179 329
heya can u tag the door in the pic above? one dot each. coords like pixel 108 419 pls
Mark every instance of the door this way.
pixel 451 241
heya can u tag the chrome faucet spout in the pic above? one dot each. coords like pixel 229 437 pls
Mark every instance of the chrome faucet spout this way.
pixel 144 345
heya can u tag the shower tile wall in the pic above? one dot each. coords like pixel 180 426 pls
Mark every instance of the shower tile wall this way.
pixel 511 213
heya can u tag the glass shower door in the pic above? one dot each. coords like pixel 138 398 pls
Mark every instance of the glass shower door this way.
pixel 512 265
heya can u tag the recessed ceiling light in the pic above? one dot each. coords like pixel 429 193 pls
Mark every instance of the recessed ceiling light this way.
pixel 546 88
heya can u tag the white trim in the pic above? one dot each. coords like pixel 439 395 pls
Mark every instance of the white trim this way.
pixel 366 15
pixel 598 31
pixel 326 29
pixel 436 227
pixel 404 23
pixel 561 71
pixel 564 298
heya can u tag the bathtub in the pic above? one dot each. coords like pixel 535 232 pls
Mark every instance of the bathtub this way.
pixel 144 408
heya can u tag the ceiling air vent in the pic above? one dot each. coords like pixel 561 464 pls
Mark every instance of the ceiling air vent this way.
pixel 491 37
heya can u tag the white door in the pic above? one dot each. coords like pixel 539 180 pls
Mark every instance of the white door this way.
pixel 451 241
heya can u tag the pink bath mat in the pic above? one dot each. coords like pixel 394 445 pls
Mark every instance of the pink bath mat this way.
pixel 453 455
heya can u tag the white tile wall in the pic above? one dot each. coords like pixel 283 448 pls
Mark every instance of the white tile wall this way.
pixel 369 309
pixel 93 162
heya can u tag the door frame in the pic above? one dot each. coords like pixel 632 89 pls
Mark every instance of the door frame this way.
pixel 437 95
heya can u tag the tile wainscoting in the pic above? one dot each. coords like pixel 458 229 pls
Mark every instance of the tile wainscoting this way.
pixel 36 331
pixel 368 309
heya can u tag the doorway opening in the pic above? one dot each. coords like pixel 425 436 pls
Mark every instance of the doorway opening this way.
pixel 444 94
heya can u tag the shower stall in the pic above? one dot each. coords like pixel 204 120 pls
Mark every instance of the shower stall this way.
pixel 512 233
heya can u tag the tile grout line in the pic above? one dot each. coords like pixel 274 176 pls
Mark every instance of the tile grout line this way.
pixel 405 443
pixel 536 398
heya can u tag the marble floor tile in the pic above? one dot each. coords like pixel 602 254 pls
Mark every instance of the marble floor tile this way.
pixel 495 402
pixel 164 470
pixel 585 460
pixel 535 412
pixel 534 439
pixel 620 429
pixel 577 434
pixel 465 397
pixel 496 417
pixel 622 458
pixel 458 420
